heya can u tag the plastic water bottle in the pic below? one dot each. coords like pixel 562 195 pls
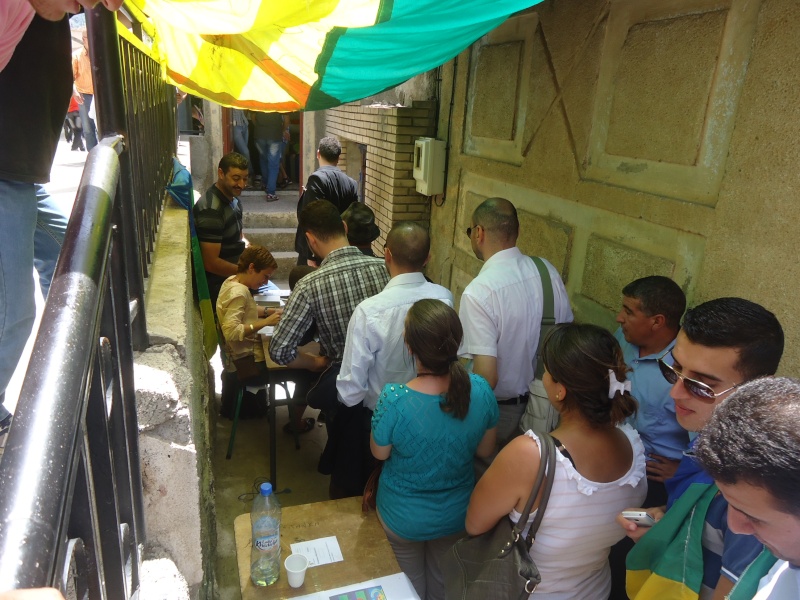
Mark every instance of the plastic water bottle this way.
pixel 265 555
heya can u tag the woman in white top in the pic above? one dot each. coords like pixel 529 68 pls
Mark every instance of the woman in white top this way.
pixel 600 466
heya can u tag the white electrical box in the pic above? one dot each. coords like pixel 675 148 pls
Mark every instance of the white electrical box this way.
pixel 429 155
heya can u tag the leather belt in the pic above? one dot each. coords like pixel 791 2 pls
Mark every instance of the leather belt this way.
pixel 521 399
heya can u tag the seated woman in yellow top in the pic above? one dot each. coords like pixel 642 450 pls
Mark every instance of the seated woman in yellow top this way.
pixel 239 316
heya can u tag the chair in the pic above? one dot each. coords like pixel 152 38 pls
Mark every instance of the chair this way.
pixel 275 377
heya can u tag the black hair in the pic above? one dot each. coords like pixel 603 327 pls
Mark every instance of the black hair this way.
pixel 433 333
pixel 410 245
pixel 499 215
pixel 330 149
pixel 579 356
pixel 754 436
pixel 235 160
pixel 737 323
pixel 322 218
pixel 658 295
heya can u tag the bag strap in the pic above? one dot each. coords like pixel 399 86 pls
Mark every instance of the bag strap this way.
pixel 548 312
pixel 543 483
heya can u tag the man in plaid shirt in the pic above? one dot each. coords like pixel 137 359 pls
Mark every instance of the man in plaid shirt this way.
pixel 329 295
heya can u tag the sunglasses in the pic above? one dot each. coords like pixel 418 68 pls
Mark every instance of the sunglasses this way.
pixel 698 389
pixel 473 228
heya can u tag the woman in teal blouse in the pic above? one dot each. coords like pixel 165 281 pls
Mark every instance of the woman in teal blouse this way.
pixel 428 431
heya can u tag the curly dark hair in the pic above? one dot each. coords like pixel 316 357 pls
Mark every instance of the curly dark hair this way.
pixel 754 437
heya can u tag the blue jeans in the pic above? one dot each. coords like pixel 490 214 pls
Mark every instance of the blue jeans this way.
pixel 270 151
pixel 32 228
pixel 240 138
pixel 89 128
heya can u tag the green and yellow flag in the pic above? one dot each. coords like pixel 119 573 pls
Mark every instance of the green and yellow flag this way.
pixel 311 54
pixel 667 563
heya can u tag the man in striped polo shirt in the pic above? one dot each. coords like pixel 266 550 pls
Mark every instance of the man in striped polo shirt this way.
pixel 218 220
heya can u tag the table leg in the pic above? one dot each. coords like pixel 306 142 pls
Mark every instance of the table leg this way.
pixel 273 444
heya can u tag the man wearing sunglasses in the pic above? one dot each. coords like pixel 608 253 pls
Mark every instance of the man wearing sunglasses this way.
pixel 723 343
pixel 501 311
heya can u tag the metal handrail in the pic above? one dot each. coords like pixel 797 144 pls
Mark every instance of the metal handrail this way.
pixel 48 444
pixel 71 507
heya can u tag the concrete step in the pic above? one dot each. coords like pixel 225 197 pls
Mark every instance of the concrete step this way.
pixel 275 239
pixel 260 213
pixel 259 220
pixel 286 262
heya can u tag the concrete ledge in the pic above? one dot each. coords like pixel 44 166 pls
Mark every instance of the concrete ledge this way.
pixel 174 425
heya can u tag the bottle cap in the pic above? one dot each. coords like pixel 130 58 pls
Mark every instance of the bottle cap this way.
pixel 265 489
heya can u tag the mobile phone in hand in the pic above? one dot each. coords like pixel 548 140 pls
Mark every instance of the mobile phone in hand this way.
pixel 640 517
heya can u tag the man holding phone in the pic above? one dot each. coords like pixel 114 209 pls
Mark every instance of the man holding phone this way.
pixel 723 343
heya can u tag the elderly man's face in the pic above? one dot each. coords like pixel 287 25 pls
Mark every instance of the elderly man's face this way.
pixel 54 10
pixel 752 510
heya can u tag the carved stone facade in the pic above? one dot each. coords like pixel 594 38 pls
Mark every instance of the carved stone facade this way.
pixel 635 138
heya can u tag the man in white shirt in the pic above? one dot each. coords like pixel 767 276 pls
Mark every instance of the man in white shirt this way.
pixel 751 447
pixel 375 353
pixel 501 311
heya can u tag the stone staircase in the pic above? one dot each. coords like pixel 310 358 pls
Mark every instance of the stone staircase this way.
pixel 273 225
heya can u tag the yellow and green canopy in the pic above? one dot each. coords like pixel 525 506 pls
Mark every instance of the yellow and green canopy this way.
pixel 292 55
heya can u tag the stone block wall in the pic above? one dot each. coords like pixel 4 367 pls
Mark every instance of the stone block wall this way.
pixel 389 133
pixel 634 138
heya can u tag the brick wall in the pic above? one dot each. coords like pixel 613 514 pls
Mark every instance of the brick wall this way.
pixel 389 133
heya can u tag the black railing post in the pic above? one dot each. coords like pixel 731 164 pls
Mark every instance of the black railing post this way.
pixel 111 120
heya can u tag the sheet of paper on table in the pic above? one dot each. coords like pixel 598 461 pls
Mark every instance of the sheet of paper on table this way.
pixel 394 587
pixel 268 330
pixel 320 551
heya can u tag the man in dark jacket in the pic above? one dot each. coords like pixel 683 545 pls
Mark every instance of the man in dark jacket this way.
pixel 326 183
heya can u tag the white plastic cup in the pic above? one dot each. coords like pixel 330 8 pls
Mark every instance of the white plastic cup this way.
pixel 296 566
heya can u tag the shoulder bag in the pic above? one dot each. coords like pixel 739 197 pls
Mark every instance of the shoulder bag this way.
pixel 497 564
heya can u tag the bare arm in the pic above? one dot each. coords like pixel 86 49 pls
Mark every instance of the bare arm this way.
pixel 487 444
pixel 379 452
pixel 486 367
pixel 504 485
pixel 724 587
pixel 213 263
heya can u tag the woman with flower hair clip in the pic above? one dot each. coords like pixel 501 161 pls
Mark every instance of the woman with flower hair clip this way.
pixel 600 466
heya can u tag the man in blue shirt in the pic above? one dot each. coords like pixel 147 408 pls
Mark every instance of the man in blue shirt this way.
pixel 649 320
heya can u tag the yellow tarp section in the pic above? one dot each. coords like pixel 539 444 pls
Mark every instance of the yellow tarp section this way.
pixel 249 53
